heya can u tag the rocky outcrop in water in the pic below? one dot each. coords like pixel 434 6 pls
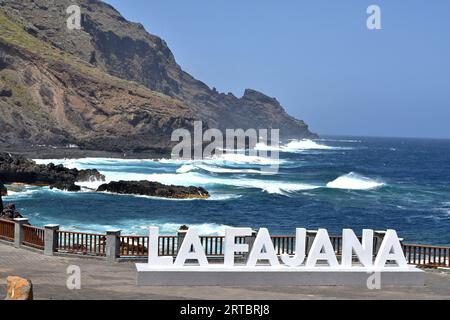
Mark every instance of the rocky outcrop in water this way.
pixel 10 212
pixel 154 189
pixel 18 169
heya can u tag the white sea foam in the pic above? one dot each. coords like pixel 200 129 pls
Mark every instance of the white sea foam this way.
pixel 340 140
pixel 14 195
pixel 296 146
pixel 140 227
pixel 113 163
pixel 354 181
pixel 214 169
pixel 202 229
pixel 306 145
pixel 197 179
pixel 213 197
pixel 239 158
pixel 186 177
pixel 85 163
pixel 228 158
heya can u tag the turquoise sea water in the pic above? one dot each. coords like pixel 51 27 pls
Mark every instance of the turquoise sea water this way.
pixel 333 183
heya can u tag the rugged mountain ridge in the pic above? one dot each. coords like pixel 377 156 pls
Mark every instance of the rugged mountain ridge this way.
pixel 109 82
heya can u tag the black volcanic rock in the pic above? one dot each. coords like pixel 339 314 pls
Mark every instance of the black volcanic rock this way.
pixel 18 169
pixel 154 189
pixel 3 190
pixel 66 186
pixel 90 175
pixel 10 212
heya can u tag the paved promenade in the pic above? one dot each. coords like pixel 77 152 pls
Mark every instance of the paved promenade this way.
pixel 103 280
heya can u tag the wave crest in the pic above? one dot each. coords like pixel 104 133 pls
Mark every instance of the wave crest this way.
pixel 296 146
pixel 354 181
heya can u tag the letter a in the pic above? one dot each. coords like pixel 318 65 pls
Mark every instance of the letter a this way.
pixel 390 250
pixel 263 250
pixel 374 20
pixel 191 241
pixel 322 249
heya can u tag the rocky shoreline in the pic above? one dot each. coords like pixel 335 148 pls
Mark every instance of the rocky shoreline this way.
pixel 19 169
pixel 48 152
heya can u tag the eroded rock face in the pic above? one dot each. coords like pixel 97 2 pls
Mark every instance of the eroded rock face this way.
pixel 19 289
pixel 18 169
pixel 154 189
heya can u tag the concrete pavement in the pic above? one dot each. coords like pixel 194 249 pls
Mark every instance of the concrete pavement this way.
pixel 103 280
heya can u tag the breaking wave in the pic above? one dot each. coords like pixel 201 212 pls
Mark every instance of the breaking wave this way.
pixel 214 169
pixel 140 227
pixel 296 146
pixel 228 158
pixel 354 181
pixel 197 179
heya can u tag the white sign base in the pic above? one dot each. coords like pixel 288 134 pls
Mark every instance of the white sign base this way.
pixel 275 276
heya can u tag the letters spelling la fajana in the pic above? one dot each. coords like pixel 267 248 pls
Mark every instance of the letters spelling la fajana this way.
pixel 263 250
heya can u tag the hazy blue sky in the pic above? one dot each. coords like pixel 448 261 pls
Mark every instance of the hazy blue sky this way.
pixel 318 58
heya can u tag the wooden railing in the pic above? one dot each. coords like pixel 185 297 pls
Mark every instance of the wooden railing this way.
pixel 286 244
pixel 81 243
pixel 133 246
pixel 7 230
pixel 214 245
pixel 137 246
pixel 33 237
pixel 427 256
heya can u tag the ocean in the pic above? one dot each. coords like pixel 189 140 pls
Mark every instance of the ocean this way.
pixel 332 183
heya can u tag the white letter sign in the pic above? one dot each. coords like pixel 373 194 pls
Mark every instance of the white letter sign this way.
pixel 263 250
pixel 363 251
pixel 153 250
pixel 230 243
pixel 322 249
pixel 390 250
pixel 191 241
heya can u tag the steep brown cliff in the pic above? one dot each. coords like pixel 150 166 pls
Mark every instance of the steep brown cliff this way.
pixel 110 86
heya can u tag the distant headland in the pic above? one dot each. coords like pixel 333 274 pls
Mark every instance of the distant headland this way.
pixel 109 87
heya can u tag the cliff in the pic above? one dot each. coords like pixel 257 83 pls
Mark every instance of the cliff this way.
pixel 110 86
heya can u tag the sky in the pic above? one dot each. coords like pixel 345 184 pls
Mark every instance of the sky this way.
pixel 318 58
